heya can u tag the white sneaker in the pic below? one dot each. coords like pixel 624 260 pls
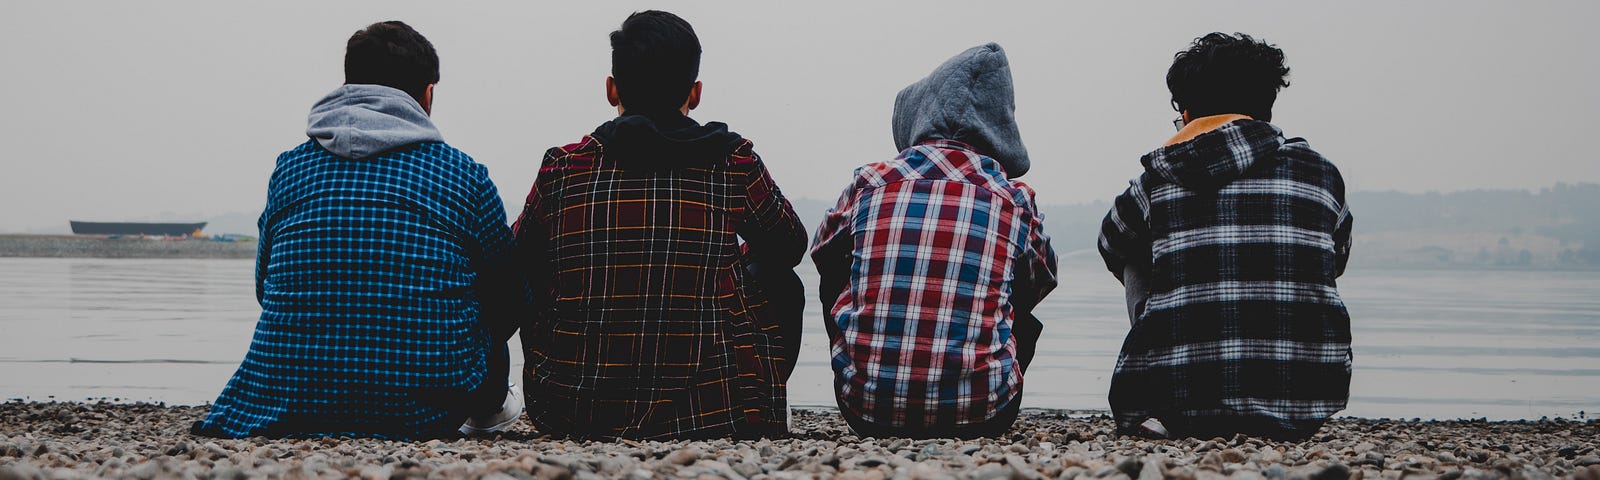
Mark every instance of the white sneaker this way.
pixel 1154 429
pixel 510 411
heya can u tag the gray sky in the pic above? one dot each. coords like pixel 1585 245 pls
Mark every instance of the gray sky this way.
pixel 125 110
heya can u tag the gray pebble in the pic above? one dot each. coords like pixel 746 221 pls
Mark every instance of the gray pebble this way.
pixel 684 456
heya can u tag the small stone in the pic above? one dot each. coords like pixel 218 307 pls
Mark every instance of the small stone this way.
pixel 684 456
pixel 991 471
pixel 640 474
pixel 1020 471
pixel 747 468
pixel 1275 472
pixel 1130 466
pixel 1233 455
pixel 19 472
pixel 1447 457
pixel 1335 471
pixel 1371 458
pixel 929 471
pixel 1591 472
pixel 1072 472
pixel 1152 470
pixel 228 473
pixel 969 449
pixel 1587 461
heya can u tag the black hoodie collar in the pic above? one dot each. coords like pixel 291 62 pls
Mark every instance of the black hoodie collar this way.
pixel 1212 159
pixel 665 141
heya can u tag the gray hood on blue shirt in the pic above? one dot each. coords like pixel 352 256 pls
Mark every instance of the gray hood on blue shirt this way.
pixel 361 121
pixel 968 99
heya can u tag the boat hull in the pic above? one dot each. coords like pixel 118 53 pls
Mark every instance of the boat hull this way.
pixel 136 228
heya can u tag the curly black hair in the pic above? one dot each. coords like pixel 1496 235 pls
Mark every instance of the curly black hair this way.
pixel 655 59
pixel 1222 73
pixel 391 54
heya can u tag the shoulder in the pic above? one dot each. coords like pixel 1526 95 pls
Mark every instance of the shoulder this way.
pixel 744 154
pixel 1308 165
pixel 307 150
pixel 582 153
pixel 446 161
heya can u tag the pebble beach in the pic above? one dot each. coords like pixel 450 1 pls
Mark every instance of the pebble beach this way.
pixel 92 440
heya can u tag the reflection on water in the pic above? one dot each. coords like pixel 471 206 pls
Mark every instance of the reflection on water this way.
pixel 1432 344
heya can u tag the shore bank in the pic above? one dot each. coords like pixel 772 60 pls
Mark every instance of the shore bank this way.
pixel 72 440
pixel 105 246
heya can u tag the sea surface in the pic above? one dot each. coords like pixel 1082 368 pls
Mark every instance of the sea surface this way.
pixel 1428 343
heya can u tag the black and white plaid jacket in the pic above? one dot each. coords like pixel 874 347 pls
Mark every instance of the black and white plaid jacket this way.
pixel 1240 234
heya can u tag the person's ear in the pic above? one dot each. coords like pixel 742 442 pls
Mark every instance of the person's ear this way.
pixel 427 100
pixel 611 92
pixel 693 101
pixel 1186 118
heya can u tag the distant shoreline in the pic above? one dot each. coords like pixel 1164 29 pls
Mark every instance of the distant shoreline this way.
pixel 106 246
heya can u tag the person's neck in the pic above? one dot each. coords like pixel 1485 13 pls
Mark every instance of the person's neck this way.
pixel 1201 125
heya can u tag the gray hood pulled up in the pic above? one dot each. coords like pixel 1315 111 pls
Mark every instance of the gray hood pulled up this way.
pixel 361 121
pixel 968 99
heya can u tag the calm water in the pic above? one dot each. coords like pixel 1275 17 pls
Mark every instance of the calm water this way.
pixel 1431 344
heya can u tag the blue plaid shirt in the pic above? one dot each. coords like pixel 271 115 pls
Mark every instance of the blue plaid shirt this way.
pixel 381 283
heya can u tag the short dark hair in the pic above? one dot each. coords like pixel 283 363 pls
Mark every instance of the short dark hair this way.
pixel 1222 73
pixel 391 54
pixel 655 59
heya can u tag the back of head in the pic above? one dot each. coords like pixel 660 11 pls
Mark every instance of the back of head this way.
pixel 969 99
pixel 1221 74
pixel 394 55
pixel 655 59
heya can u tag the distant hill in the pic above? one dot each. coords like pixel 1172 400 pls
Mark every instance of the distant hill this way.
pixel 1552 228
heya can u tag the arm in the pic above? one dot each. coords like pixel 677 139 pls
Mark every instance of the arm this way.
pixel 1036 267
pixel 1342 242
pixel 263 255
pixel 502 291
pixel 1344 224
pixel 771 229
pixel 264 237
pixel 834 251
pixel 1125 246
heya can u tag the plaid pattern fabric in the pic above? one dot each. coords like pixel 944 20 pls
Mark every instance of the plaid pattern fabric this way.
pixel 647 327
pixel 378 279
pixel 1243 319
pixel 922 259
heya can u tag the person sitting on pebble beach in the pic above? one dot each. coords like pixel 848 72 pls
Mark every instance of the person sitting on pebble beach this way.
pixel 652 320
pixel 384 271
pixel 931 263
pixel 1229 244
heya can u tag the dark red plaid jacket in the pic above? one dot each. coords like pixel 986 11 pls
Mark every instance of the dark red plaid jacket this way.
pixel 646 326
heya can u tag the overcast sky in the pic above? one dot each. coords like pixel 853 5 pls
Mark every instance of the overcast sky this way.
pixel 124 110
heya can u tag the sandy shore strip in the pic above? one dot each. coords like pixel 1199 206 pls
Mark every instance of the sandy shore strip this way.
pixel 105 246
pixel 74 440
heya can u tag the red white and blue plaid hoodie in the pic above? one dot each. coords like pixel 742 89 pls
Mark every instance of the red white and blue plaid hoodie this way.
pixel 925 257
